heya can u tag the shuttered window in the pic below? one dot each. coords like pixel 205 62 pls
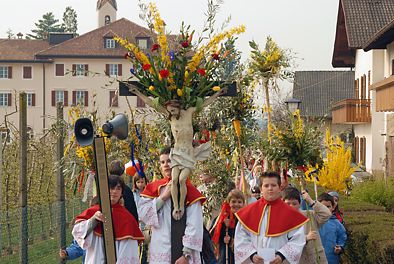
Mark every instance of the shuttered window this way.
pixel 5 99
pixel 59 70
pixel 27 72
pixel 140 103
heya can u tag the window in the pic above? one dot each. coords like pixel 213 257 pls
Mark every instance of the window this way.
pixel 59 96
pixel 107 20
pixel 80 70
pixel 27 72
pixel 109 43
pixel 142 43
pixel 4 73
pixel 113 99
pixel 113 69
pixel 59 70
pixel 80 98
pixel 5 99
pixel 30 133
pixel 31 99
pixel 140 103
pixel 5 135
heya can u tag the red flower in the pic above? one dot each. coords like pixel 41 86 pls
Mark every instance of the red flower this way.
pixel 146 67
pixel 164 73
pixel 201 71
pixel 215 56
pixel 155 47
pixel 185 44
pixel 127 55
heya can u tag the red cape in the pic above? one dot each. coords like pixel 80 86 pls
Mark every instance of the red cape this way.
pixel 125 225
pixel 282 218
pixel 152 190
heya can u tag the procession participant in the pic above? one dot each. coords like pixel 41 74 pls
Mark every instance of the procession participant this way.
pixel 116 167
pixel 319 215
pixel 269 227
pixel 88 231
pixel 224 227
pixel 155 210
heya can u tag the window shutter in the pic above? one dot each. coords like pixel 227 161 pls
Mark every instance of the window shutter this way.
pixel 119 69
pixel 33 99
pixel 74 69
pixel 113 99
pixel 26 72
pixel 53 98
pixel 65 98
pixel 356 150
pixel 59 71
pixel 9 99
pixel 369 84
pixel 86 69
pixel 363 86
pixel 86 98
pixel 74 98
pixel 10 72
pixel 107 69
pixel 392 67
pixel 140 103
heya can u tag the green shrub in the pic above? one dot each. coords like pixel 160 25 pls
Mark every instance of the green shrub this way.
pixel 377 191
pixel 370 232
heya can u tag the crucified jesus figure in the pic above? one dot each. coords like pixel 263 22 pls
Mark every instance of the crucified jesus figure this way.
pixel 183 155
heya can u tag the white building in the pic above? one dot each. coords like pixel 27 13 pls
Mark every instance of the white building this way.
pixel 73 70
pixel 357 22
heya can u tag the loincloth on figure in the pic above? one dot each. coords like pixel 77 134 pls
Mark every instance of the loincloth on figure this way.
pixel 184 160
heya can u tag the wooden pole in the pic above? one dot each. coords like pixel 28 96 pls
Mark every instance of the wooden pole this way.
pixel 1 185
pixel 23 257
pixel 60 177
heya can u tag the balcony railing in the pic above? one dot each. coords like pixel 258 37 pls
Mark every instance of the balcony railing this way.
pixel 384 94
pixel 352 111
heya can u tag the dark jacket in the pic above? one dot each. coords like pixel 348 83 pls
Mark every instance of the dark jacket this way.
pixel 129 202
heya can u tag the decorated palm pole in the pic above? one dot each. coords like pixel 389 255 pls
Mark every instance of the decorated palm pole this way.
pixel 177 87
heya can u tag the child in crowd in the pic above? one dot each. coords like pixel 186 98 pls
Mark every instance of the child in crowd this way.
pixel 319 215
pixel 73 251
pixel 332 233
pixel 337 212
pixel 139 184
pixel 224 228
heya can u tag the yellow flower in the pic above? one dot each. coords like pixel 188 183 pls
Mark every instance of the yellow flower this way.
pixel 151 88
pixel 179 92
pixel 216 88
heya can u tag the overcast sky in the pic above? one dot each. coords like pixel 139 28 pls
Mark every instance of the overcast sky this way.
pixel 305 26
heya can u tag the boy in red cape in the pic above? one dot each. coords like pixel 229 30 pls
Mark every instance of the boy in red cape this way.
pixel 88 232
pixel 270 227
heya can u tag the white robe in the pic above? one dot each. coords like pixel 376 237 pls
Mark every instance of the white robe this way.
pixel 126 249
pixel 160 222
pixel 246 243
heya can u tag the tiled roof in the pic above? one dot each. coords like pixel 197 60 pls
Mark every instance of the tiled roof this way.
pixel 21 49
pixel 100 3
pixel 381 38
pixel 92 43
pixel 319 90
pixel 363 18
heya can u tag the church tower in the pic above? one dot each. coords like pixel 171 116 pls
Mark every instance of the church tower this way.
pixel 106 12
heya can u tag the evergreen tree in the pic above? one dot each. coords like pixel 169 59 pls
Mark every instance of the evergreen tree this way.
pixel 70 23
pixel 10 34
pixel 47 24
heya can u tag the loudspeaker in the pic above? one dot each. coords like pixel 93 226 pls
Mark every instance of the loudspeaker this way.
pixel 118 126
pixel 83 131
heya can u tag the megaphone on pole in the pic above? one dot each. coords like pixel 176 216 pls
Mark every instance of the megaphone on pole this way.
pixel 118 126
pixel 83 131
